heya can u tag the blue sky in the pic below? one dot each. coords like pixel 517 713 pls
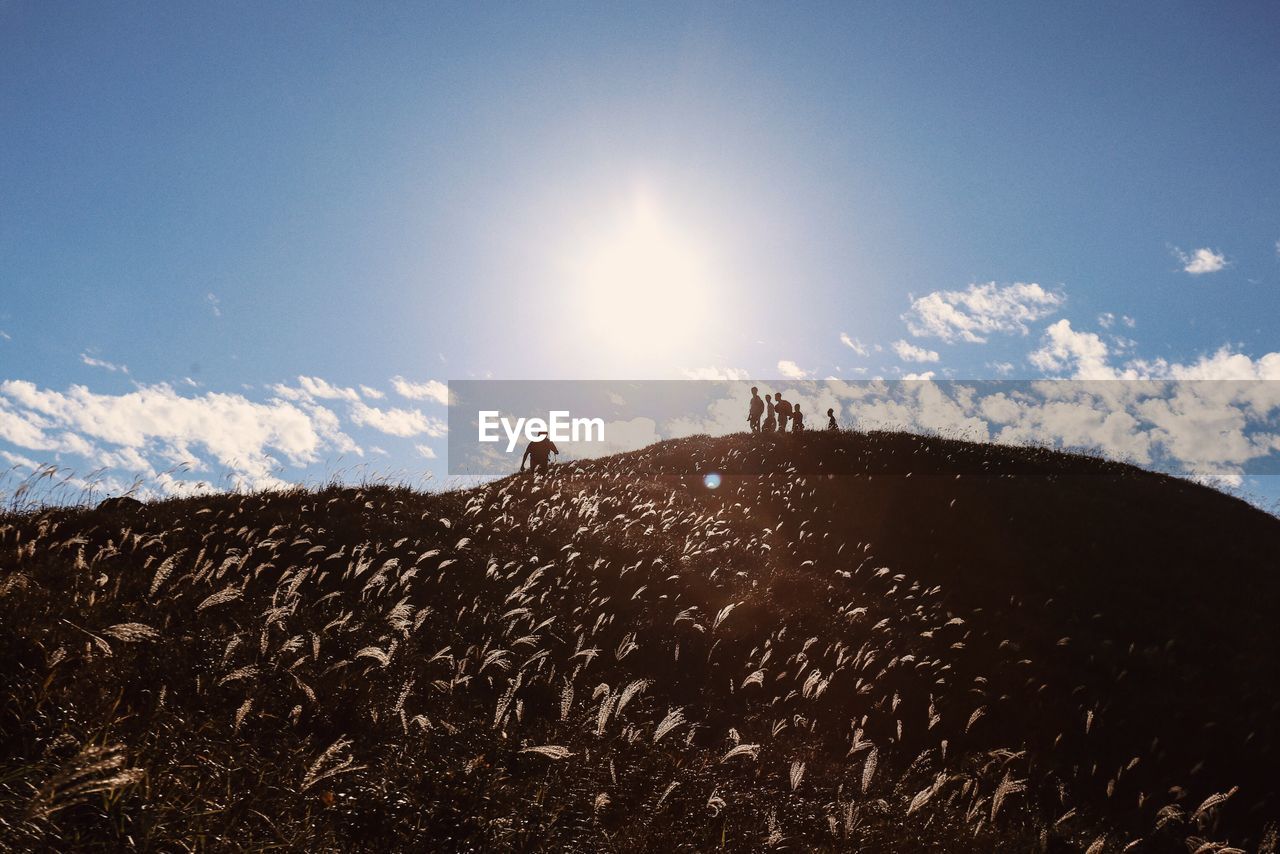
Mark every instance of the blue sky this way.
pixel 223 198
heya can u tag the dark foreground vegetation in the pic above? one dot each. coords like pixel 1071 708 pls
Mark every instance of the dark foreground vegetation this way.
pixel 615 657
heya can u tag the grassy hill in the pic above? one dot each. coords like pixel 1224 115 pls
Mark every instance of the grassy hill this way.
pixel 874 642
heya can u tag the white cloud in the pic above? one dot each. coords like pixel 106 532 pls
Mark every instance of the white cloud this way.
pixel 980 310
pixel 425 451
pixel 853 344
pixel 429 390
pixel 1064 348
pixel 314 387
pixel 1201 261
pixel 1123 344
pixel 215 304
pixel 911 353
pixel 1213 428
pixel 5 335
pixel 1197 425
pixel 927 375
pixel 24 429
pixel 398 422
pixel 1080 419
pixel 1106 320
pixel 324 390
pixel 791 370
pixel 19 461
pixel 1222 482
pixel 153 426
pixel 1224 364
pixel 372 393
pixel 711 372
pixel 1085 356
pixel 102 363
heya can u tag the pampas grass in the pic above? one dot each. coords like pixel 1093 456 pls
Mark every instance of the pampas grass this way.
pixel 605 657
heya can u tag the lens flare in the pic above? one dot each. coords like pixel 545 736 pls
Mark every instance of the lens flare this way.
pixel 712 480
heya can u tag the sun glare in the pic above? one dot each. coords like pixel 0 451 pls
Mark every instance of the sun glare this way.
pixel 643 287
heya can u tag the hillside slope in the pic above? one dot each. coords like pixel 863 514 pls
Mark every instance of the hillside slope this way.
pixel 915 643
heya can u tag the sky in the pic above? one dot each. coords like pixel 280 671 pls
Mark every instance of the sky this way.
pixel 247 243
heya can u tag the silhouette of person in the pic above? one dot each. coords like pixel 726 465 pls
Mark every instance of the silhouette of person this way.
pixel 770 421
pixel 539 452
pixel 797 420
pixel 831 420
pixel 783 410
pixel 756 410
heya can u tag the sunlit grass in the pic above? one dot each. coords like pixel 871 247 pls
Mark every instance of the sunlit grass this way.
pixel 608 657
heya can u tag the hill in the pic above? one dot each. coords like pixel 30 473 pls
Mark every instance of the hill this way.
pixel 871 641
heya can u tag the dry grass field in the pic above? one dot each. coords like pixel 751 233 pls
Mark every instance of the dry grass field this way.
pixel 857 642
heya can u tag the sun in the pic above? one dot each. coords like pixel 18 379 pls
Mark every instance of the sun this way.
pixel 643 287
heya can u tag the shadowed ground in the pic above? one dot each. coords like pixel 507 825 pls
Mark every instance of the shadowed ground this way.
pixel 879 641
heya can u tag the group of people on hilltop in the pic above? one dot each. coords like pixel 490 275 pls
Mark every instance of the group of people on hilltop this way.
pixel 774 413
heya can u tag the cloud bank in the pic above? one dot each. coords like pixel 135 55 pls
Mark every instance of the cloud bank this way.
pixel 154 427
pixel 980 310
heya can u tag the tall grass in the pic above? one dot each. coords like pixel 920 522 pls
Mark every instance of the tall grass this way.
pixel 603 658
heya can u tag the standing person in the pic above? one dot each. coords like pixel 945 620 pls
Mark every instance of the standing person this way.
pixel 783 409
pixel 756 410
pixel 831 420
pixel 771 420
pixel 797 420
pixel 539 452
